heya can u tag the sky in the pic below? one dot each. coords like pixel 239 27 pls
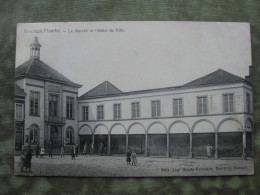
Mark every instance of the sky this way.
pixel 138 55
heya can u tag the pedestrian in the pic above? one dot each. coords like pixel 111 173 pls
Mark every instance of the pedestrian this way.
pixel 72 152
pixel 22 158
pixel 208 149
pixel 37 150
pixel 92 149
pixel 76 150
pixel 50 149
pixel 42 152
pixel 27 161
pixel 133 158
pixel 61 152
pixel 85 148
pixel 101 149
pixel 128 157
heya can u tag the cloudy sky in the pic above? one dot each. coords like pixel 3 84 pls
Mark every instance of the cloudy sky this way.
pixel 138 55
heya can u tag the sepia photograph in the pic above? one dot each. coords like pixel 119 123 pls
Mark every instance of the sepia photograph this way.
pixel 133 99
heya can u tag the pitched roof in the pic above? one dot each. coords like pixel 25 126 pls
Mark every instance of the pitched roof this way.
pixel 19 91
pixel 218 77
pixel 104 89
pixel 36 68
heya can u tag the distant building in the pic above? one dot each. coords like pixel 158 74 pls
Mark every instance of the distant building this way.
pixel 181 121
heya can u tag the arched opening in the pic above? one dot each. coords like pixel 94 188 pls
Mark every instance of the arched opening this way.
pixel 249 138
pixel 203 135
pixel 136 138
pixel 100 136
pixel 118 139
pixel 85 137
pixel 157 139
pixel 179 138
pixel 230 138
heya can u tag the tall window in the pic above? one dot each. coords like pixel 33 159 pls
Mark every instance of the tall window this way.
pixel 85 113
pixel 19 111
pixel 135 110
pixel 34 134
pixel 228 102
pixel 70 135
pixel 53 105
pixel 34 103
pixel 248 103
pixel 202 105
pixel 117 111
pixel 156 109
pixel 100 112
pixel 69 107
pixel 177 107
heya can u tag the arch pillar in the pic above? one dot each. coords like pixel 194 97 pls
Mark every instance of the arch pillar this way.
pixel 146 145
pixel 126 141
pixel 216 146
pixel 190 155
pixel 108 144
pixel 168 145
pixel 244 144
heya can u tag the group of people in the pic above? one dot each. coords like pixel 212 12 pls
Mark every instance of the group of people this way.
pixel 131 156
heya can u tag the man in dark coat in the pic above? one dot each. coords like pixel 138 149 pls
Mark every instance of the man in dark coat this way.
pixel 72 152
pixel 27 161
pixel 128 157
pixel 101 149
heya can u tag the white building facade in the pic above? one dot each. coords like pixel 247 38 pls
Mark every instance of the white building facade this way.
pixel 180 121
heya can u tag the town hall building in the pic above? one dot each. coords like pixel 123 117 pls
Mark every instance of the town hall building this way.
pixel 179 121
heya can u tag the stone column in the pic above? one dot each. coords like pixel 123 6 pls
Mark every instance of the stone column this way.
pixel 126 142
pixel 108 145
pixel 146 145
pixel 190 155
pixel 168 145
pixel 244 144
pixel 93 139
pixel 216 146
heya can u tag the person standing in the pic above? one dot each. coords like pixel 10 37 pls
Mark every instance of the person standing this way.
pixel 134 159
pixel 208 149
pixel 76 150
pixel 61 152
pixel 101 149
pixel 91 149
pixel 50 149
pixel 85 148
pixel 37 149
pixel 72 153
pixel 42 152
pixel 22 158
pixel 27 161
pixel 128 157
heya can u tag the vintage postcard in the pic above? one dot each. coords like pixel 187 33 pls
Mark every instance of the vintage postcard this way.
pixel 133 99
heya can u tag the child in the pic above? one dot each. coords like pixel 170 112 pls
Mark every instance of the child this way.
pixel 42 152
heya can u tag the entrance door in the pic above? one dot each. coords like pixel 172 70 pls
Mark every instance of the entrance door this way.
pixel 54 136
pixel 18 138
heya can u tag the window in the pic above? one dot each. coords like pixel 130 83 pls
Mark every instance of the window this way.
pixel 156 109
pixel 177 107
pixel 100 112
pixel 248 103
pixel 228 102
pixel 117 111
pixel 34 134
pixel 69 107
pixel 34 103
pixel 202 105
pixel 135 110
pixel 85 113
pixel 19 111
pixel 70 136
pixel 53 105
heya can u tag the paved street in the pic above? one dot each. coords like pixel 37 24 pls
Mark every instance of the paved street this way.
pixel 102 166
